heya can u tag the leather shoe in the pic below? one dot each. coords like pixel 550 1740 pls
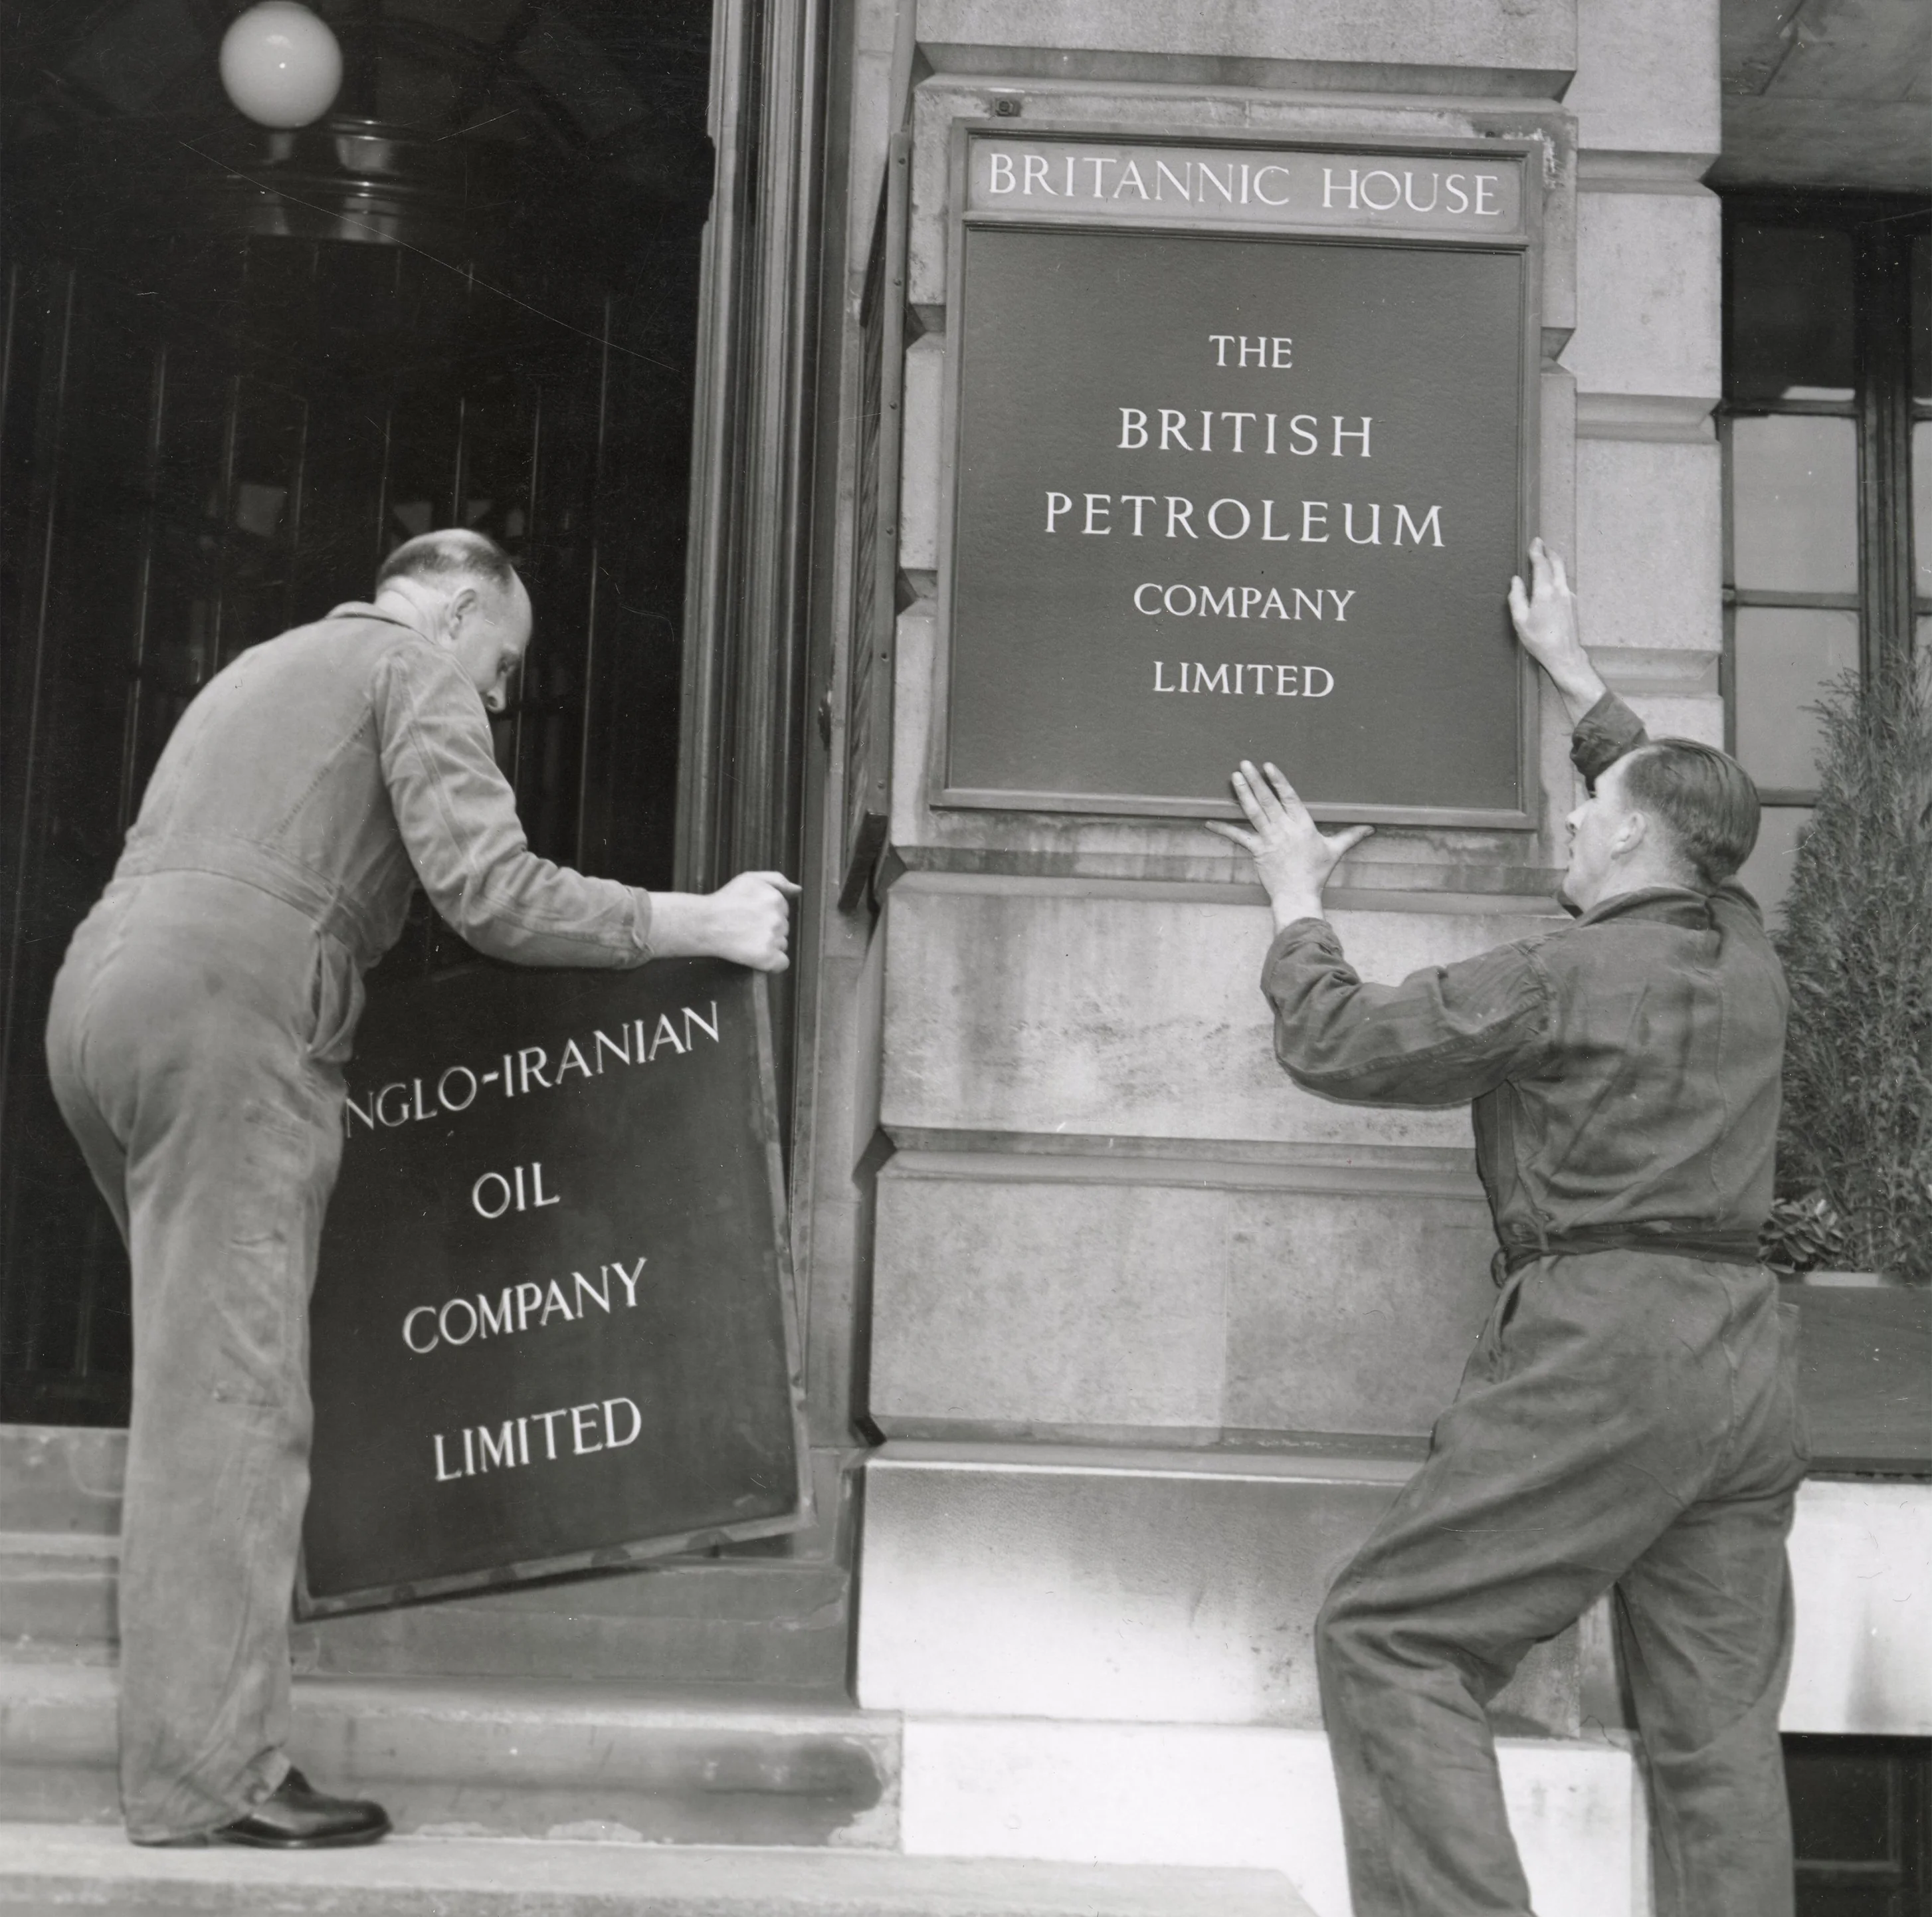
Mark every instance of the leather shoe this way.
pixel 295 1816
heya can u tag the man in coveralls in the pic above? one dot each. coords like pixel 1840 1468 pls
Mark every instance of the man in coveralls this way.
pixel 1629 1419
pixel 198 1030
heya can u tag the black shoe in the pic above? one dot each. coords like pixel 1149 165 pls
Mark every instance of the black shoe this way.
pixel 296 1816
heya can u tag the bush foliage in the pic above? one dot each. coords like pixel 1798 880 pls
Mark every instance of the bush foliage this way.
pixel 1855 1146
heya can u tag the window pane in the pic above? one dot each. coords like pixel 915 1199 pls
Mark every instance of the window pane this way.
pixel 1766 873
pixel 1921 505
pixel 1794 504
pixel 1783 657
pixel 1790 313
pixel 1921 316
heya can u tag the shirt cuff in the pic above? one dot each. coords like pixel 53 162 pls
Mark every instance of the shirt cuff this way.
pixel 641 922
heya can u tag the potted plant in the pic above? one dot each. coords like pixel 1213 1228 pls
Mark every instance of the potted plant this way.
pixel 1855 1144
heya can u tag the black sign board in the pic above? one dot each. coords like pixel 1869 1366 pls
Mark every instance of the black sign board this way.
pixel 553 1325
pixel 1242 470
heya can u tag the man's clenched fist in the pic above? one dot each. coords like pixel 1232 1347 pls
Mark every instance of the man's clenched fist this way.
pixel 751 920
pixel 748 921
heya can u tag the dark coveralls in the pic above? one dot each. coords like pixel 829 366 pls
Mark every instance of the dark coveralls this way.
pixel 199 1028
pixel 1628 1420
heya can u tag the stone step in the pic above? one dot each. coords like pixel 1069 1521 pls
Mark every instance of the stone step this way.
pixel 55 1869
pixel 731 1621
pixel 522 1758
pixel 62 1478
pixel 57 1594
pixel 776 1615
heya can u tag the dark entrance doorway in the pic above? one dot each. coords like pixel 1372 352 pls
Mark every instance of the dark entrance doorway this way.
pixel 240 366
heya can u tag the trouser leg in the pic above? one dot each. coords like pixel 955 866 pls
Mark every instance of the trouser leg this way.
pixel 1704 1628
pixel 217 1463
pixel 1704 1622
pixel 1570 1448
pixel 230 1140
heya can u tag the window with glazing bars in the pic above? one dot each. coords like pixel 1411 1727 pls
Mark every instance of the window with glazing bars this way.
pixel 1827 431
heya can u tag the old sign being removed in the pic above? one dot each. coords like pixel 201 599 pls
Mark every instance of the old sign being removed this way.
pixel 553 1326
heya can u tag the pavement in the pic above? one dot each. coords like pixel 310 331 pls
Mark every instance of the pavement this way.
pixel 60 1869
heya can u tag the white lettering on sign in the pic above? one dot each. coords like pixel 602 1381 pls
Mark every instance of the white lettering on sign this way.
pixel 533 1068
pixel 517 1308
pixel 494 1194
pixel 1230 676
pixel 1304 433
pixel 1273 354
pixel 1234 520
pixel 607 1424
pixel 1224 186
pixel 1186 602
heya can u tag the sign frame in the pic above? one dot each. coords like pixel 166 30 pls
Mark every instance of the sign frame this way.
pixel 309 1607
pixel 1530 150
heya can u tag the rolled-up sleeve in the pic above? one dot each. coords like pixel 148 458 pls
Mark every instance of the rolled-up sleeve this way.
pixel 1445 1035
pixel 457 816
pixel 1603 734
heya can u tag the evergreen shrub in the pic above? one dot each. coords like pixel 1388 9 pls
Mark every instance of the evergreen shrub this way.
pixel 1855 1144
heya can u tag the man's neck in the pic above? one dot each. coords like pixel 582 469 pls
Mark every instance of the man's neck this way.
pixel 399 601
pixel 1649 876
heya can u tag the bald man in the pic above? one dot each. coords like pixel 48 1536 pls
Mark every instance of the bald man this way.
pixel 198 1029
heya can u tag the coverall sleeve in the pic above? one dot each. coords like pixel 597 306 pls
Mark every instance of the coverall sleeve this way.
pixel 1603 734
pixel 458 819
pixel 1444 1035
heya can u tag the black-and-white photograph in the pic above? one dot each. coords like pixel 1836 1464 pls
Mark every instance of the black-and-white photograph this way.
pixel 966 959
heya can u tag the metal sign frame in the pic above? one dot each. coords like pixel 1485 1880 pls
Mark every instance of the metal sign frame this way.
pixel 940 792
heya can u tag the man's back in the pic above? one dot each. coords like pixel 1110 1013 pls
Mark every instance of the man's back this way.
pixel 277 767
pixel 1658 1100
pixel 1624 1070
pixel 336 765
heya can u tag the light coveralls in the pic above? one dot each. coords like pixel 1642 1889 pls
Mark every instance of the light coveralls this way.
pixel 199 1027
pixel 1629 1420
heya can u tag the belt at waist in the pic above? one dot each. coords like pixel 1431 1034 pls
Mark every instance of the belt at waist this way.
pixel 1721 1247
pixel 326 905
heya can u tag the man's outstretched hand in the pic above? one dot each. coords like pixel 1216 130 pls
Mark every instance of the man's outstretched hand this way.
pixel 1545 619
pixel 748 921
pixel 1292 856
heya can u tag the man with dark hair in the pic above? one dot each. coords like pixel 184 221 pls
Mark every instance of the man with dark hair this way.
pixel 1703 799
pixel 1629 1420
pixel 198 1029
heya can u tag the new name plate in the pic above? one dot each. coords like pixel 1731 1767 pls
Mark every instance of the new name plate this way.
pixel 1242 470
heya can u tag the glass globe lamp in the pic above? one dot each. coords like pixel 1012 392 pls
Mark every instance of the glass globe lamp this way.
pixel 280 64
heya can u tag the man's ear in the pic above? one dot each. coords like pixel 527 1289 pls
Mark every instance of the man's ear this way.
pixel 1633 834
pixel 460 608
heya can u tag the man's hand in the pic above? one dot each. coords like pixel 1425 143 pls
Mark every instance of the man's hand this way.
pixel 1546 621
pixel 747 921
pixel 1292 858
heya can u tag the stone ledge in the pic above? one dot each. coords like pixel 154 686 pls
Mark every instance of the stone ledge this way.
pixel 1405 1171
pixel 1537 43
pixel 1666 416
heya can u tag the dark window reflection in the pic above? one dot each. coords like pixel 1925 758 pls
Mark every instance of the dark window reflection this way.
pixel 241 368
pixel 1790 313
